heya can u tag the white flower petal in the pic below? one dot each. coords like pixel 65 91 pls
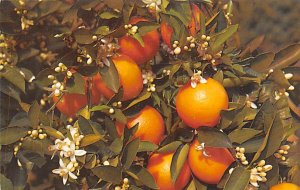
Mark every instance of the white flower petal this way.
pixel 61 163
pixel 193 84
pixel 73 176
pixel 255 184
pixel 56 171
pixel 65 178
pixel 80 152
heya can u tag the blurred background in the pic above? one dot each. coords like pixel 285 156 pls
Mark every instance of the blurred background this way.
pixel 277 20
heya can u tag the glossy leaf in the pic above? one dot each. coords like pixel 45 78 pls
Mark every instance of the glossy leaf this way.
pixel 13 75
pixel 5 183
pixel 213 137
pixel 242 135
pixel 52 132
pixel 223 36
pixel 145 146
pixel 144 96
pixel 34 114
pixel 171 147
pixel 83 36
pixel 238 180
pixel 108 173
pixel 286 57
pixel 111 77
pixel 130 152
pixel 10 135
pixel 90 139
pixel 178 161
pixel 143 176
pixel 262 62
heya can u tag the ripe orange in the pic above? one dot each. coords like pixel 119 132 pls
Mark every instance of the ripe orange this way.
pixel 151 125
pixel 130 77
pixel 211 167
pixel 193 27
pixel 71 103
pixel 159 166
pixel 201 106
pixel 285 186
pixel 132 48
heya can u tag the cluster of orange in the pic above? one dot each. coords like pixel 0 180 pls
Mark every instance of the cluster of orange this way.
pixel 196 106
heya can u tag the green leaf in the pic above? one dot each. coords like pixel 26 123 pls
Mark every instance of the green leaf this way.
pixel 119 116
pixel 178 161
pixel 38 146
pixel 83 36
pixel 108 173
pixel 13 75
pixel 146 146
pixel 278 77
pixel 286 57
pixel 127 10
pixel 111 77
pixel 70 15
pixel 76 84
pixel 145 27
pixel 223 36
pixel 139 38
pixel 171 147
pixel 213 137
pixel 110 127
pixel 90 139
pixel 102 107
pixel 252 145
pixel 34 114
pixel 115 4
pixel 238 180
pixel 242 135
pixel 10 90
pixel 181 10
pixel 272 140
pixel 109 15
pixel 10 135
pixel 143 176
pixel 262 62
pixel 116 146
pixel 102 30
pixel 52 132
pixel 130 152
pixel 144 96
pixel 5 183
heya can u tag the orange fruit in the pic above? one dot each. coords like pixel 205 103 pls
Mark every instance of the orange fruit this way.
pixel 151 125
pixel 285 186
pixel 201 106
pixel 130 77
pixel 166 30
pixel 71 103
pixel 211 167
pixel 159 165
pixel 132 48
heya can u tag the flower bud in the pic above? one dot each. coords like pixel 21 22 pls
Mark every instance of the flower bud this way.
pixel 177 50
pixel 288 76
pixel 261 163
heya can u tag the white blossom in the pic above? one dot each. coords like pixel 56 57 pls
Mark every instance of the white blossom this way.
pixel 65 171
pixel 153 4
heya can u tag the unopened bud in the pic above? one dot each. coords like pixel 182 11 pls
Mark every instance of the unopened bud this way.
pixel 177 50
pixel 261 163
pixel 288 76
pixel 291 87
pixel 285 147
